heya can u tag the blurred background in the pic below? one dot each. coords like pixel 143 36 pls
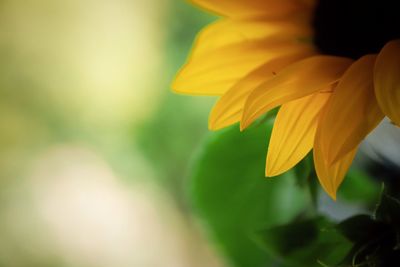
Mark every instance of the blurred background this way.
pixel 95 147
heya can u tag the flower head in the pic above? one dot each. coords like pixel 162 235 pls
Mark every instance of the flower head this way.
pixel 260 56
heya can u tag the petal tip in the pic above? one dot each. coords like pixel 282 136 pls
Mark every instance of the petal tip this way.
pixel 245 122
pixel 272 171
pixel 214 120
pixel 211 127
pixel 332 195
pixel 176 86
pixel 268 175
pixel 214 125
pixel 242 126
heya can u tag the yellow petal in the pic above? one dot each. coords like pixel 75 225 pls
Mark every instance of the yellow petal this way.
pixel 225 32
pixel 331 176
pixel 298 80
pixel 228 50
pixel 387 80
pixel 251 8
pixel 293 133
pixel 228 109
pixel 351 113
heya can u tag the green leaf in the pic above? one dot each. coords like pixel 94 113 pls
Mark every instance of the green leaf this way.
pixel 359 228
pixel 308 243
pixel 231 194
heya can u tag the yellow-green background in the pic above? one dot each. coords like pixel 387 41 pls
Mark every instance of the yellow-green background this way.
pixel 94 146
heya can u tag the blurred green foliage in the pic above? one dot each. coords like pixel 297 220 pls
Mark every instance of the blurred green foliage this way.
pixel 230 192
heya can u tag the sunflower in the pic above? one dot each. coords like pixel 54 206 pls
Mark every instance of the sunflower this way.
pixel 333 82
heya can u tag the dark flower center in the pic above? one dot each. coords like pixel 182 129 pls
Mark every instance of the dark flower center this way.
pixel 353 28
